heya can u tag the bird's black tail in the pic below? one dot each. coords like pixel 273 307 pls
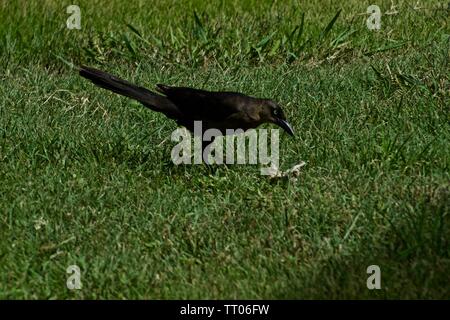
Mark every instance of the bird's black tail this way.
pixel 148 98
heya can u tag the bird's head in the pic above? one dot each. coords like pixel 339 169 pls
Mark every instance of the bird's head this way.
pixel 271 112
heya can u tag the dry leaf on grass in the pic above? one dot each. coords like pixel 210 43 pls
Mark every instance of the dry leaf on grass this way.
pixel 292 173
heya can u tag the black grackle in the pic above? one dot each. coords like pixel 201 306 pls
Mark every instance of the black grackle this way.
pixel 219 110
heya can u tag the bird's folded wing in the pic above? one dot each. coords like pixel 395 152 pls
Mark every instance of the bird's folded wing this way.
pixel 201 104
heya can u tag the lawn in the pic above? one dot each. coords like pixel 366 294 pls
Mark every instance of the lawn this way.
pixel 87 178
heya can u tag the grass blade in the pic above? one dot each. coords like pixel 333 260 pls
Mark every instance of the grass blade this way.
pixel 330 25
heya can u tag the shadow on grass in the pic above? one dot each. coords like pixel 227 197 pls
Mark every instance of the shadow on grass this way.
pixel 413 255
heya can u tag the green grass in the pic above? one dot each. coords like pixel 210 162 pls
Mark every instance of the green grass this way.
pixel 87 179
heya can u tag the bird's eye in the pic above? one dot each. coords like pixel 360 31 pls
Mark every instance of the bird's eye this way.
pixel 276 113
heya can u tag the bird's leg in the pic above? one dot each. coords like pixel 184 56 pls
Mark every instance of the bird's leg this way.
pixel 212 167
pixel 206 147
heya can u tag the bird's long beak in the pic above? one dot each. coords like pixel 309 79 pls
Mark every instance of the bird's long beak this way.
pixel 285 125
